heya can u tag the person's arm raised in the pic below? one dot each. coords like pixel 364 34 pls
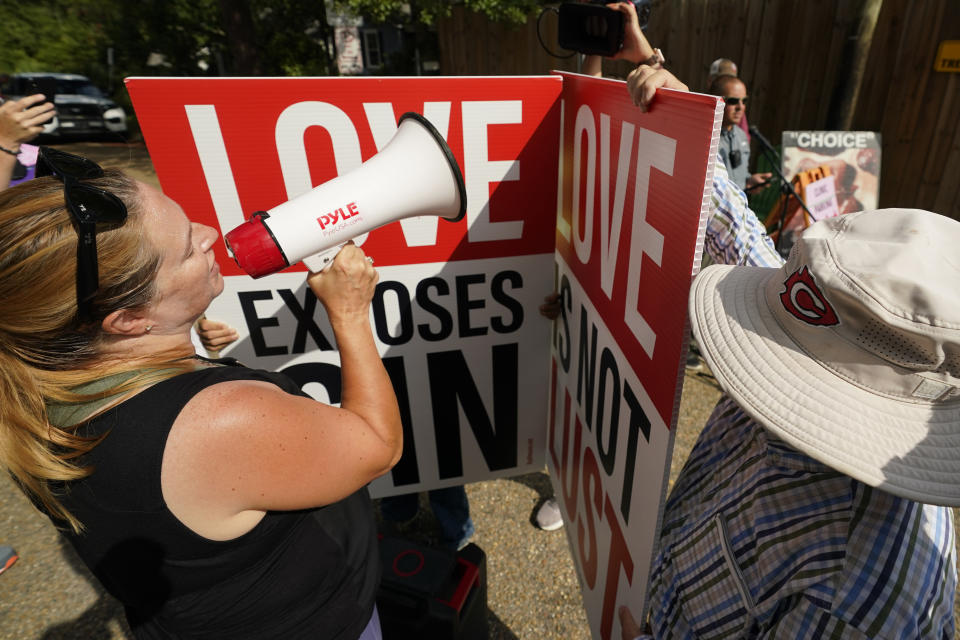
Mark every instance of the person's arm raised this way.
pixel 635 47
pixel 243 447
pixel 592 66
pixel 20 120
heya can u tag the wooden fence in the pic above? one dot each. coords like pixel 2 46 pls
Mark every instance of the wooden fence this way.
pixel 861 65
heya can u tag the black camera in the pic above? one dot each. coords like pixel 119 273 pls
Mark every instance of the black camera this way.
pixel 593 28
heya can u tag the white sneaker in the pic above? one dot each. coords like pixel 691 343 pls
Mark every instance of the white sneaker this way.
pixel 548 515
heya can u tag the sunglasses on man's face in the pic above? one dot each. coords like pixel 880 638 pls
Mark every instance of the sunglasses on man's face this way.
pixel 732 102
pixel 88 206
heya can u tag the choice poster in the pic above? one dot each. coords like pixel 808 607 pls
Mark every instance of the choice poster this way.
pixel 633 206
pixel 852 156
pixel 455 313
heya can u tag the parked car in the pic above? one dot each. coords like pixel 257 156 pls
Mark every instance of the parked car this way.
pixel 82 109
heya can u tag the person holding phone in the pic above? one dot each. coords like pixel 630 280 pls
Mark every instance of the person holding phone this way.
pixel 211 500
pixel 20 121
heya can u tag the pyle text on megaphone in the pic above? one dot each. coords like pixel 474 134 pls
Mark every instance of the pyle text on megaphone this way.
pixel 415 174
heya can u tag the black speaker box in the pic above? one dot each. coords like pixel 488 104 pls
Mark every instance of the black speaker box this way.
pixel 430 593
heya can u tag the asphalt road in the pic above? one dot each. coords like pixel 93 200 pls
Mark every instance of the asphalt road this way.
pixel 533 591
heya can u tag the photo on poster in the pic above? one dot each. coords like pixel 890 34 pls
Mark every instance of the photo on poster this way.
pixel 853 158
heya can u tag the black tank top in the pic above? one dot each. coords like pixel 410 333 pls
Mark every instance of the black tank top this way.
pixel 303 574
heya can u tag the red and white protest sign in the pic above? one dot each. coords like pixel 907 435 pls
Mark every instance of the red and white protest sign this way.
pixel 455 313
pixel 634 200
pixel 621 195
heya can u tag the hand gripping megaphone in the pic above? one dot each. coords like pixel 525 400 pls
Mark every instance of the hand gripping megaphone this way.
pixel 415 174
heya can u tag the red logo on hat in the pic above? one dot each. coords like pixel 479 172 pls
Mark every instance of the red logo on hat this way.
pixel 803 299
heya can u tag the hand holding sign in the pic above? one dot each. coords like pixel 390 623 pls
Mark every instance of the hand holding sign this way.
pixel 643 82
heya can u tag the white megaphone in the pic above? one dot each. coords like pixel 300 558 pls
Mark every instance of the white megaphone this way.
pixel 415 174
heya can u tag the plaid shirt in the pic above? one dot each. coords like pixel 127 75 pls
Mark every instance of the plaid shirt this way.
pixel 762 541
pixel 734 235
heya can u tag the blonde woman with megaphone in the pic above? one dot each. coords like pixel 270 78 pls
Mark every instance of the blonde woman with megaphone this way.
pixel 212 500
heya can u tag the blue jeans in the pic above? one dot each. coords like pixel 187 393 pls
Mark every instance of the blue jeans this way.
pixel 449 505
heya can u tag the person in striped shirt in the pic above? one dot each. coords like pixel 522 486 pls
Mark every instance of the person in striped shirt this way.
pixel 815 501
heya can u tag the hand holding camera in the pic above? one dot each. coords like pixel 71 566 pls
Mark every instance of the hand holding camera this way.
pixel 613 30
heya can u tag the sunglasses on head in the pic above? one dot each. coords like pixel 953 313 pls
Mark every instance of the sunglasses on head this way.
pixel 734 101
pixel 88 206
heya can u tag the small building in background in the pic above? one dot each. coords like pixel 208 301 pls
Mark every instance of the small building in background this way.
pixel 382 49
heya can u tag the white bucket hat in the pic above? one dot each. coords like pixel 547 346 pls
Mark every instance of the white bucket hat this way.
pixel 850 352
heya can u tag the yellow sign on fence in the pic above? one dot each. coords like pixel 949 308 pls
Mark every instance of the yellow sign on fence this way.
pixel 948 56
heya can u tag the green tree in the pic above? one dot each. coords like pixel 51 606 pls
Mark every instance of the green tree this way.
pixel 168 37
pixel 417 19
pixel 292 37
pixel 165 37
pixel 427 11
pixel 50 35
pixel 74 36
